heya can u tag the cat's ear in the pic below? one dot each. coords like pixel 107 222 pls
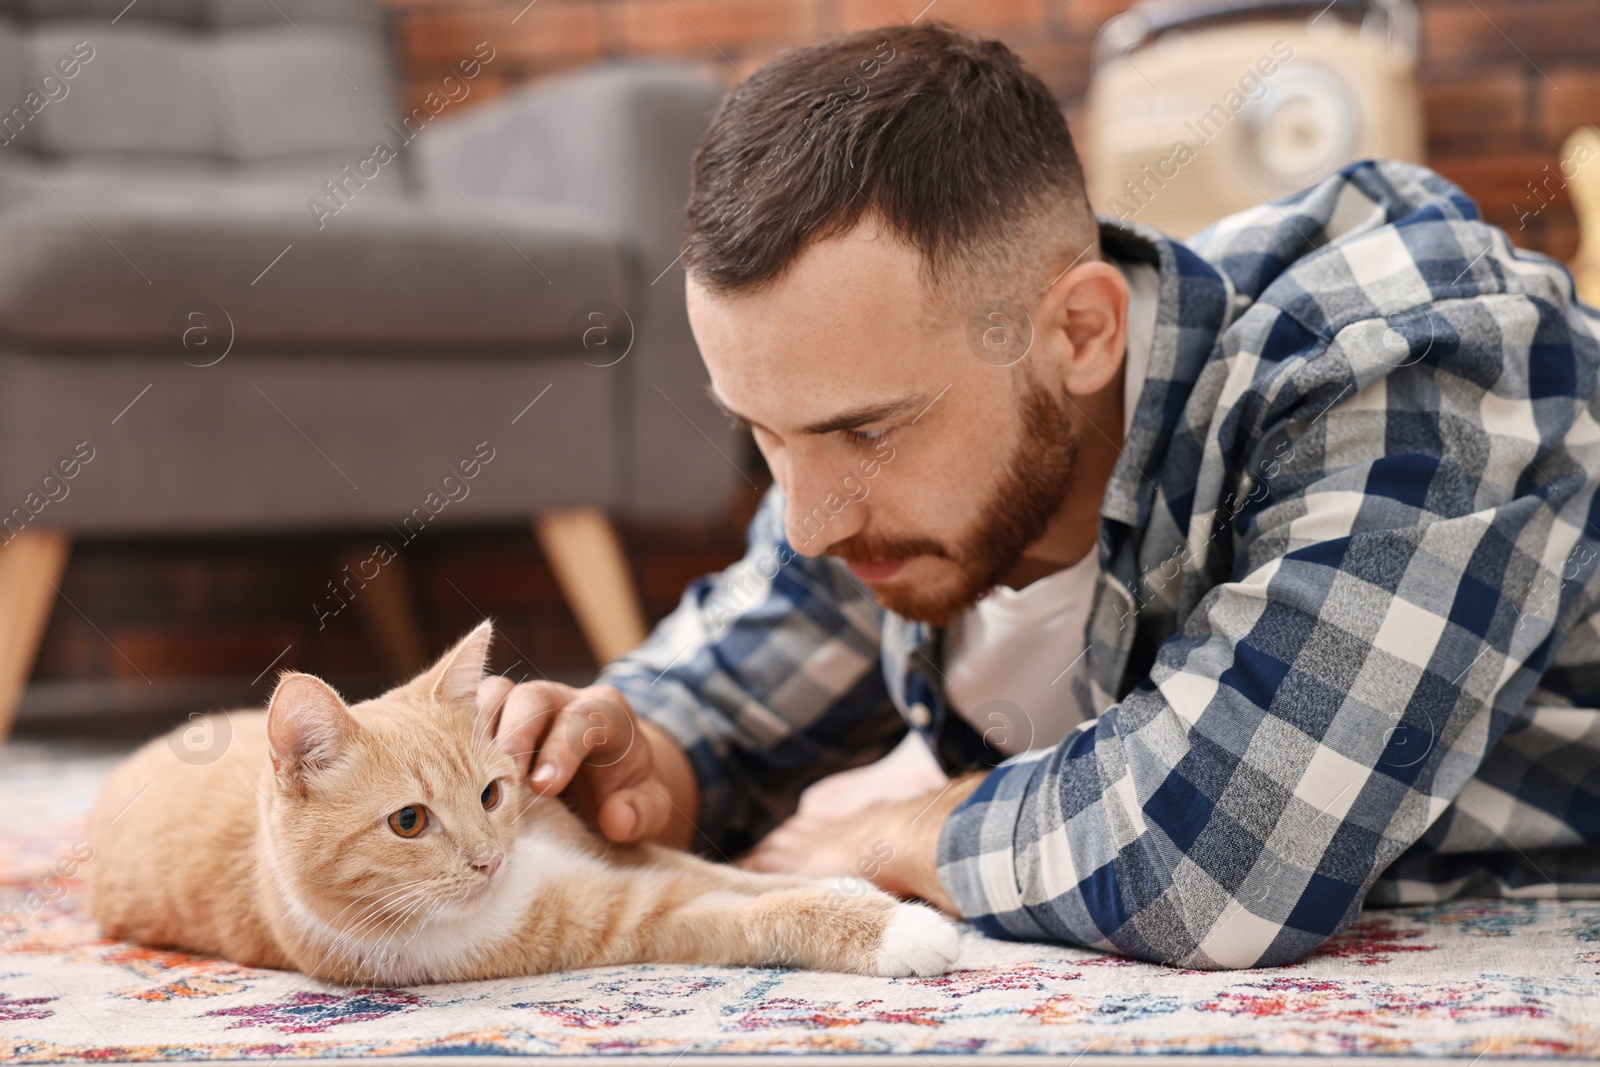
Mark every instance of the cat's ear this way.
pixel 454 679
pixel 308 728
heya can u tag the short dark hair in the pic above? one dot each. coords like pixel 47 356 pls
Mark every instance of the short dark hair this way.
pixel 949 140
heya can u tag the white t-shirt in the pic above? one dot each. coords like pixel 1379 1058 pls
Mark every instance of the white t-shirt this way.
pixel 1009 659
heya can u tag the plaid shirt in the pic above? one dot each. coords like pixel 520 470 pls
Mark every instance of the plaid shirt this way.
pixel 1345 642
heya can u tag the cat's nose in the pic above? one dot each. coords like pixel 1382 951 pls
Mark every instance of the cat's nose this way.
pixel 489 862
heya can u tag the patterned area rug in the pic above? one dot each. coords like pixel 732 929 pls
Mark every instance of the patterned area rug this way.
pixel 1463 982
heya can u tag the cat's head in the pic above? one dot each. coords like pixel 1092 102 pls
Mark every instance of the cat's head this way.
pixel 397 810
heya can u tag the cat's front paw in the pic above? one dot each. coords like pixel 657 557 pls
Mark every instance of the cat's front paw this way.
pixel 917 940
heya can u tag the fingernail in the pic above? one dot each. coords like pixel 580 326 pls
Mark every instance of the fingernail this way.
pixel 629 820
pixel 544 775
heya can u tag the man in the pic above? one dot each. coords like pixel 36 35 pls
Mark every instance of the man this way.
pixel 1236 582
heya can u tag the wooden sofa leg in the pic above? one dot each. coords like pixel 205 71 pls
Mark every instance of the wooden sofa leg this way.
pixel 592 571
pixel 31 565
pixel 1585 193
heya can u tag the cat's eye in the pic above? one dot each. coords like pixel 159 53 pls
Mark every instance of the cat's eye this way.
pixel 491 795
pixel 409 820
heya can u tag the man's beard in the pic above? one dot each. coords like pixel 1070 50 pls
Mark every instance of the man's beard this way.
pixel 1027 495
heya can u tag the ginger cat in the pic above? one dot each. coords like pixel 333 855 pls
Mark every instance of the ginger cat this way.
pixel 391 842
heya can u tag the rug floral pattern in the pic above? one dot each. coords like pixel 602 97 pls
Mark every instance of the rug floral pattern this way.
pixel 1466 980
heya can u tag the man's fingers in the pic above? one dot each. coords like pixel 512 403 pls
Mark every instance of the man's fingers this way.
pixel 492 698
pixel 766 860
pixel 636 813
pixel 595 726
pixel 528 711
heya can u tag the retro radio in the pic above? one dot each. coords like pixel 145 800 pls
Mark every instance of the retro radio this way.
pixel 1201 108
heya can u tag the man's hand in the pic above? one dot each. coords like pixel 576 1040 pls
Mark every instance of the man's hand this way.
pixel 894 845
pixel 623 775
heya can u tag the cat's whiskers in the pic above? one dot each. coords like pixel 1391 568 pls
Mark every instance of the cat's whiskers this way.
pixel 369 917
pixel 383 947
pixel 340 947
pixel 374 909
pixel 488 751
pixel 393 888
pixel 352 946
pixel 379 911
pixel 383 952
pixel 422 923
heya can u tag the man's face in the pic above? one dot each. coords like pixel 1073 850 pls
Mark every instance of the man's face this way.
pixel 927 469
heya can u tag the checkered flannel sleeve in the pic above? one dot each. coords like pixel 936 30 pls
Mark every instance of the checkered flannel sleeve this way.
pixel 1390 604
pixel 768 676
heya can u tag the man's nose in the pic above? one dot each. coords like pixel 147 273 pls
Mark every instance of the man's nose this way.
pixel 488 861
pixel 821 510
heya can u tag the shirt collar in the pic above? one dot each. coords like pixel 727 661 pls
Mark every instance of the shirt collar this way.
pixel 1144 293
pixel 1194 305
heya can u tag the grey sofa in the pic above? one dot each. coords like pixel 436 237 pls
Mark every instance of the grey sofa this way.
pixel 267 297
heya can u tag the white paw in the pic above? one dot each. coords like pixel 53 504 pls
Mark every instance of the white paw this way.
pixel 917 940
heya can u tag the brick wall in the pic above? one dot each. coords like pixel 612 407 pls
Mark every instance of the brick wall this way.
pixel 1504 81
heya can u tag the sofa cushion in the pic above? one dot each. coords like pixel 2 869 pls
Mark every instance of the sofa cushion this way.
pixel 196 13
pixel 146 91
pixel 98 255
pixel 239 80
pixel 278 96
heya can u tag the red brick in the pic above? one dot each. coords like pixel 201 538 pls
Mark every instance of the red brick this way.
pixel 696 27
pixel 1464 35
pixel 554 643
pixel 483 88
pixel 553 30
pixel 1559 236
pixel 1573 101
pixel 1499 184
pixel 1087 16
pixel 157 650
pixel 489 583
pixel 435 38
pixel 989 15
pixel 973 15
pixel 1064 65
pixel 434 5
pixel 663 579
pixel 1492 106
pixel 751 60
pixel 70 649
pixel 443 38
pixel 866 14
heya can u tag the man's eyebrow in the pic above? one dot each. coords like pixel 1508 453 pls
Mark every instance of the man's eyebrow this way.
pixel 864 415
pixel 852 419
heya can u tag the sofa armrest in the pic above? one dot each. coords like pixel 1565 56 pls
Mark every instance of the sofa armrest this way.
pixel 615 139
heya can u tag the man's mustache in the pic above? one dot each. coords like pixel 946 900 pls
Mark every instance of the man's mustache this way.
pixel 867 549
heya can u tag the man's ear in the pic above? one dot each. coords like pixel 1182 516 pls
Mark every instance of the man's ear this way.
pixel 308 728
pixel 1086 312
pixel 454 679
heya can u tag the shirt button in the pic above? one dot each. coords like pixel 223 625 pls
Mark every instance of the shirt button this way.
pixel 920 716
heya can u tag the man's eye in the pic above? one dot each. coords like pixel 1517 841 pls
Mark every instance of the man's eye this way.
pixel 864 437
